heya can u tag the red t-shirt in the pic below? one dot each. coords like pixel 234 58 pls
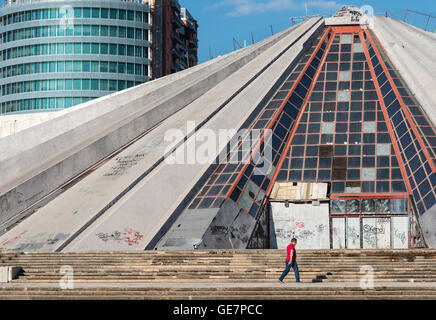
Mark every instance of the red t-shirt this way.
pixel 290 247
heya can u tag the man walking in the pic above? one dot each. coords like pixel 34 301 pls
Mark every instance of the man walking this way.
pixel 291 261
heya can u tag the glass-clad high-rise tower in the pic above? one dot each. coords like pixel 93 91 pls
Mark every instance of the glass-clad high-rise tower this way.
pixel 58 53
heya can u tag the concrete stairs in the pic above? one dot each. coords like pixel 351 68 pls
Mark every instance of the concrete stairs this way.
pixel 226 293
pixel 223 274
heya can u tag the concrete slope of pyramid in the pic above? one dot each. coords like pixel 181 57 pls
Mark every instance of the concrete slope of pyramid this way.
pixel 320 103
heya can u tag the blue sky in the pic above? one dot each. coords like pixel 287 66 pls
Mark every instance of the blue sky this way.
pixel 221 20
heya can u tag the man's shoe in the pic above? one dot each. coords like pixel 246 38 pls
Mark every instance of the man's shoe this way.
pixel 281 281
pixel 299 281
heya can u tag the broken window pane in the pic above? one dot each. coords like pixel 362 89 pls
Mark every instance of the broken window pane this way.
pixel 353 206
pixel 382 205
pixel 338 206
pixel 368 206
pixel 399 205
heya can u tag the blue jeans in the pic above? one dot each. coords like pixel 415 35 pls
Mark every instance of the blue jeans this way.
pixel 290 265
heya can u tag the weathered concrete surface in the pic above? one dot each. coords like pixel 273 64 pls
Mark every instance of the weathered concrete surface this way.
pixel 309 224
pixel 38 160
pixel 428 226
pixel 228 227
pixel 231 228
pixel 48 228
pixel 149 210
pixel 14 123
pixel 188 230
pixel 413 52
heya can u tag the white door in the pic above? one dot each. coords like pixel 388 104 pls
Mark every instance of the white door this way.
pixel 400 232
pixel 353 233
pixel 383 233
pixel 338 228
pixel 369 233
pixel 308 223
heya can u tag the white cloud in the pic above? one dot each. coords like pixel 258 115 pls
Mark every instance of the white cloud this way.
pixel 237 8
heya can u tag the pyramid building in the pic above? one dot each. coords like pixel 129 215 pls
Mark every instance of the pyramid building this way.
pixel 336 146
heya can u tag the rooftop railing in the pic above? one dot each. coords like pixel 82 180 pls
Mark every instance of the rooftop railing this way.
pixel 427 17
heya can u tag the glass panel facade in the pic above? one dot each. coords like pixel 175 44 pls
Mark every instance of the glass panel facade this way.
pixel 409 135
pixel 283 106
pixel 375 207
pixel 97 57
pixel 346 132
pixel 341 137
pixel 59 13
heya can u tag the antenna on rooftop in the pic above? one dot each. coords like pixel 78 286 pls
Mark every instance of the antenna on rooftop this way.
pixel 235 42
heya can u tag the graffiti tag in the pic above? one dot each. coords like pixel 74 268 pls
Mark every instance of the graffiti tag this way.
pixel 39 240
pixel 372 229
pixel 92 192
pixel 299 224
pixel 10 241
pixel 128 236
pixel 400 235
pixel 124 163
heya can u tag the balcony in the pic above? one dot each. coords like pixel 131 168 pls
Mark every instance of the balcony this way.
pixel 177 22
pixel 176 5
pixel 192 26
pixel 193 42
pixel 182 47
pixel 193 57
pixel 177 68
pixel 177 53
pixel 176 37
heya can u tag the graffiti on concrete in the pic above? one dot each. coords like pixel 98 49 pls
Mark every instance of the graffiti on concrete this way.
pixel 353 237
pixel 124 163
pixel 353 234
pixel 288 234
pixel 373 229
pixel 114 236
pixel 299 225
pixel 369 235
pixel 92 191
pixel 132 237
pixel 321 228
pixel 128 236
pixel 304 234
pixel 285 233
pixel 232 232
pixel 228 230
pixel 401 235
pixel 12 240
pixel 37 241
